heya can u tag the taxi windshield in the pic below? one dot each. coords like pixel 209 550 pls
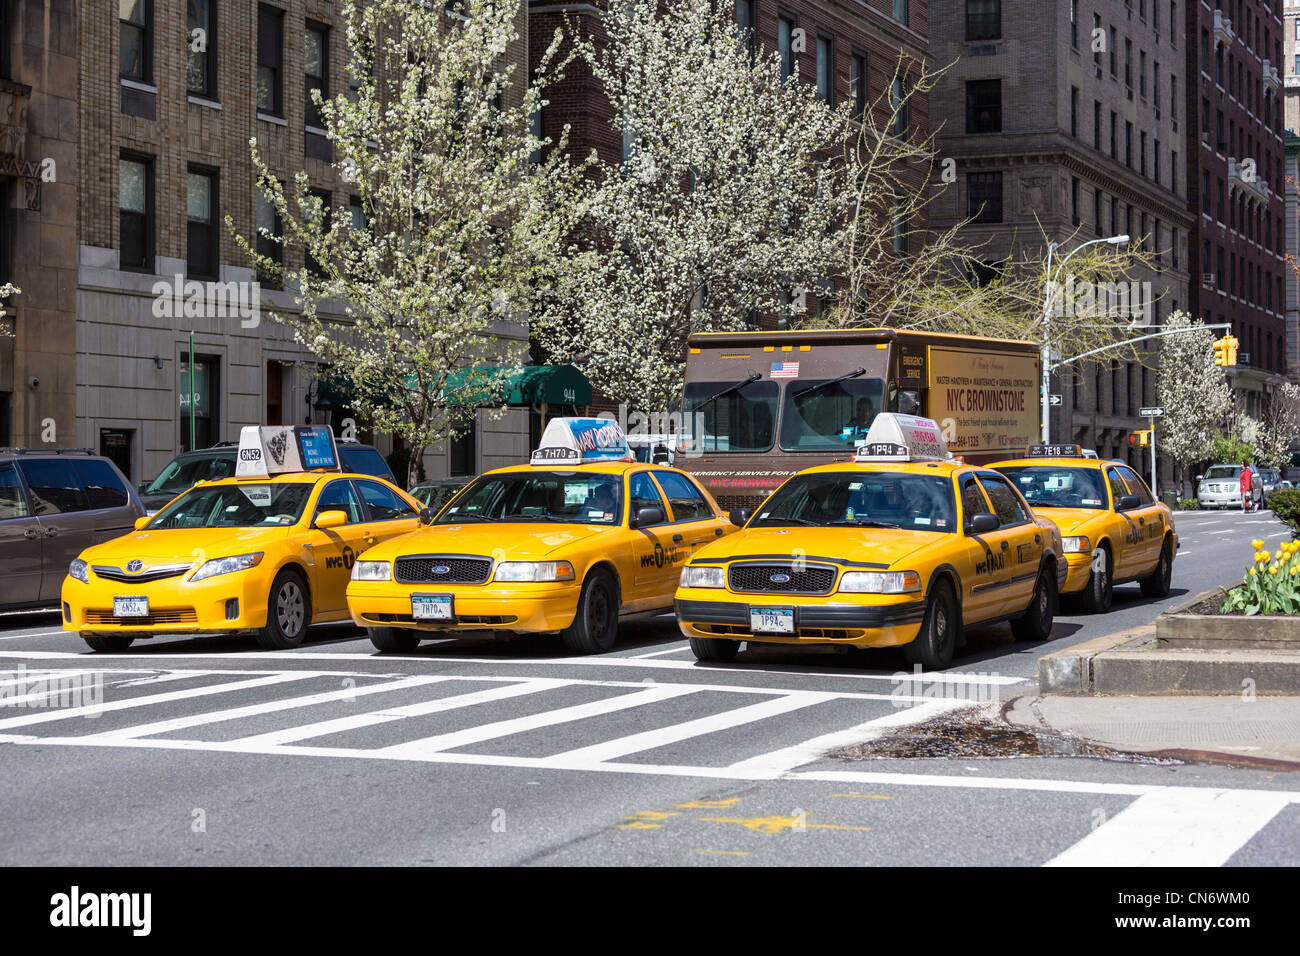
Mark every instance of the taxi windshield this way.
pixel 1058 486
pixel 562 497
pixel 861 499
pixel 234 506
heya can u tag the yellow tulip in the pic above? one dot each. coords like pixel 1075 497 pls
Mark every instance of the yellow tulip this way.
pixel 1273 569
pixel 1257 543
pixel 1252 571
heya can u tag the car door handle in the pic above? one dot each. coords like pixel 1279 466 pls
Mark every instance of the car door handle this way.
pixel 31 533
pixel 677 539
pixel 1005 545
pixel 1038 539
pixel 717 532
pixel 51 532
pixel 1142 520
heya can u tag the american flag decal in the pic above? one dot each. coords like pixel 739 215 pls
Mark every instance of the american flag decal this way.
pixel 785 370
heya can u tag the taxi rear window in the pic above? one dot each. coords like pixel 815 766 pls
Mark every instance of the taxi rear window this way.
pixel 1058 486
pixel 861 499
pixel 234 506
pixel 535 496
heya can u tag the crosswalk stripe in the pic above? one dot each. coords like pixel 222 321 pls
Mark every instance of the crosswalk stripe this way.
pixel 267 707
pixel 423 708
pixel 100 708
pixel 517 725
pixel 66 682
pixel 650 739
pixel 1176 828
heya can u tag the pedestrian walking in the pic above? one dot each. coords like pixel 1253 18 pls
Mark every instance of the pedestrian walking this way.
pixel 1246 489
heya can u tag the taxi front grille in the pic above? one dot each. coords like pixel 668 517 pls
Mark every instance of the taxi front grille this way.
pixel 441 569
pixel 781 579
pixel 159 616
pixel 157 573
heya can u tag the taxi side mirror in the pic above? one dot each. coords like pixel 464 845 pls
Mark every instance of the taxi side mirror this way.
pixel 1127 502
pixel 330 519
pixel 426 516
pixel 647 516
pixel 738 516
pixel 984 523
pixel 141 521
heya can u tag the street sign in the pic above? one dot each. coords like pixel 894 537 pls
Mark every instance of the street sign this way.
pixel 1154 411
pixel 1055 400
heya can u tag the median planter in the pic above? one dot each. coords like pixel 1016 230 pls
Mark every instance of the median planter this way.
pixel 1202 623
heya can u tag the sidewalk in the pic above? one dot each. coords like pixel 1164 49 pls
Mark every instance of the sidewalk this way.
pixel 1260 729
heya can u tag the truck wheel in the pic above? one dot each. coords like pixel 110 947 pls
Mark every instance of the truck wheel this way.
pixel 714 650
pixel 1036 623
pixel 288 612
pixel 595 624
pixel 1096 597
pixel 107 642
pixel 1156 584
pixel 393 640
pixel 934 645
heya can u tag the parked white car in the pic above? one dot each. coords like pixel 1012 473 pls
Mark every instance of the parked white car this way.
pixel 1220 487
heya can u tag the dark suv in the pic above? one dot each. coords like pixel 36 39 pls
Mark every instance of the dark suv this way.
pixel 208 464
pixel 54 503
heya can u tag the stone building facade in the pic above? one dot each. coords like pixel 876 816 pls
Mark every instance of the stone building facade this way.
pixel 1066 123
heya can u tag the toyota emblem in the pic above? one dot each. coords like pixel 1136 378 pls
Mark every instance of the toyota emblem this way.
pixel 780 579
pixel 134 565
pixel 441 569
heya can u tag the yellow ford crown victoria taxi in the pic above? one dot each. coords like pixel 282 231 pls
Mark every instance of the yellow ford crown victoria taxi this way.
pixel 569 543
pixel 1114 530
pixel 902 545
pixel 267 552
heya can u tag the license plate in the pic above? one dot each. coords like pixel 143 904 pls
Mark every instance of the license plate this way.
pixel 130 607
pixel 431 607
pixel 771 620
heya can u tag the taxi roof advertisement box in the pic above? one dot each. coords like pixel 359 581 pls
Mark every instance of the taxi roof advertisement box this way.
pixel 266 450
pixel 985 401
pixel 576 440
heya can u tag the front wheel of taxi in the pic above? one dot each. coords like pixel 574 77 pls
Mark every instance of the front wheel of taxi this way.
pixel 1156 584
pixel 288 612
pixel 596 622
pixel 1096 597
pixel 714 650
pixel 393 640
pixel 1036 623
pixel 107 642
pixel 934 645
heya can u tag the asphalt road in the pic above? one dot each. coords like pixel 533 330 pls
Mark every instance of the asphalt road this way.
pixel 212 752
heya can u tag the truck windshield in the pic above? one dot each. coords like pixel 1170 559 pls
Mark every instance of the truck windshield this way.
pixel 740 420
pixel 861 499
pixel 829 418
pixel 1052 486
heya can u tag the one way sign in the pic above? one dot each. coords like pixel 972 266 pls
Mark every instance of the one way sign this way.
pixel 1153 411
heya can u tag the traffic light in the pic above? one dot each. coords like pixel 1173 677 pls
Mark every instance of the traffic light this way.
pixel 1225 351
pixel 1140 438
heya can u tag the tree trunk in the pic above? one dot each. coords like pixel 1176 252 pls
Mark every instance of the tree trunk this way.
pixel 413 465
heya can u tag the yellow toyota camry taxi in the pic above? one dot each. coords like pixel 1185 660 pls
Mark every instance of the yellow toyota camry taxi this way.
pixel 1114 529
pixel 902 545
pixel 267 552
pixel 569 543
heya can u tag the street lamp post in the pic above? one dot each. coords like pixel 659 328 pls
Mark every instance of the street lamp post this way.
pixel 1045 356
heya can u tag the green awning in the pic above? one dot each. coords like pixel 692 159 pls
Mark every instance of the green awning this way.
pixel 532 385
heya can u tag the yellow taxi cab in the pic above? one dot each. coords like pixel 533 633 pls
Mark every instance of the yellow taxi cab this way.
pixel 266 552
pixel 578 538
pixel 1114 529
pixel 901 545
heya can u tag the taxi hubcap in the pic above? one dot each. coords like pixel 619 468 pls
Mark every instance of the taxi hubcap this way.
pixel 598 612
pixel 289 608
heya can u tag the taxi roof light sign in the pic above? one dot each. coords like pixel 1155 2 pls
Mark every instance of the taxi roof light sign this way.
pixel 574 441
pixel 1054 451
pixel 895 437
pixel 266 450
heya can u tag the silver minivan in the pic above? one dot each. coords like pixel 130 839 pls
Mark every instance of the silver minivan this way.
pixel 1220 487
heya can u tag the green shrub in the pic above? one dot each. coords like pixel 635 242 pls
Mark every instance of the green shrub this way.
pixel 1189 504
pixel 1285 503
pixel 1231 450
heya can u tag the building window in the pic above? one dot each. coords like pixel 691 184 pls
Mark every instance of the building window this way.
pixel 898 103
pixel 1114 138
pixel 902 226
pixel 1142 153
pixel 270 60
pixel 316 55
pixel 859 83
pixel 1096 54
pixel 984 19
pixel 462 451
pixel 984 197
pixel 1114 55
pixel 1074 200
pixel 1096 125
pixel 1096 212
pixel 197 388
pixel 785 46
pixel 326 202
pixel 1074 23
pixel 135 34
pixel 1155 160
pixel 745 23
pixel 983 106
pixel 268 230
pixel 201 68
pixel 900 11
pixel 1128 67
pixel 1074 111
pixel 201 222
pixel 1128 144
pixel 135 213
pixel 1142 73
pixel 826 70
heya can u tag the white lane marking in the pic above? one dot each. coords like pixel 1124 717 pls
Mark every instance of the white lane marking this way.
pixel 65 688
pixel 955 677
pixel 22 634
pixel 323 728
pixel 671 650
pixel 1173 828
pixel 267 707
pixel 786 759
pixel 131 702
pixel 549 718
pixel 650 739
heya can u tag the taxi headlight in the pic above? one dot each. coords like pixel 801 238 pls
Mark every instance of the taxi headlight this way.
pixel 1076 545
pixel 79 570
pixel 703 577
pixel 880 582
pixel 238 562
pixel 372 571
pixel 534 571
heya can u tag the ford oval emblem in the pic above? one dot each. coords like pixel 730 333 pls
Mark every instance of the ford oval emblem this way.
pixel 780 579
pixel 134 565
pixel 441 569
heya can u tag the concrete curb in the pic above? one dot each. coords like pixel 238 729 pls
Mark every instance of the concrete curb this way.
pixel 1070 671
